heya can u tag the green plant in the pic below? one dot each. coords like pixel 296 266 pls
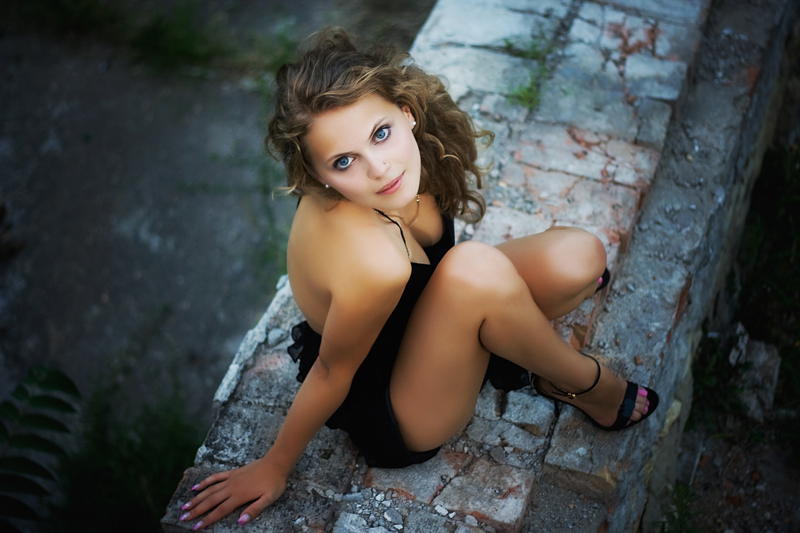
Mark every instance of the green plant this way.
pixel 769 255
pixel 679 517
pixel 126 470
pixel 716 382
pixel 536 50
pixel 175 37
pixel 162 36
pixel 529 94
pixel 25 425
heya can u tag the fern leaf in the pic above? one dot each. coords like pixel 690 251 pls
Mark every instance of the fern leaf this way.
pixel 34 421
pixel 21 393
pixel 51 403
pixel 23 465
pixel 53 380
pixel 9 411
pixel 20 485
pixel 13 508
pixel 35 442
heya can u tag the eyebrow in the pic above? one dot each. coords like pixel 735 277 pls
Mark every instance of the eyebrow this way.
pixel 372 133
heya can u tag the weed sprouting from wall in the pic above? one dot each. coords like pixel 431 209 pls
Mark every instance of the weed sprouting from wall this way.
pixel 537 50
pixel 529 94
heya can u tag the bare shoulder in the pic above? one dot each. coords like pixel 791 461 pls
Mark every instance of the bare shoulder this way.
pixel 344 253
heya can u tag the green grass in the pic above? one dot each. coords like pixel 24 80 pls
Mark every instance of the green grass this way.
pixel 679 518
pixel 529 94
pixel 162 37
pixel 537 50
pixel 170 38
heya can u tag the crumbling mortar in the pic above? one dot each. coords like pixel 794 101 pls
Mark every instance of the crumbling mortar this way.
pixel 461 471
pixel 547 14
pixel 548 440
pixel 566 23
pixel 622 31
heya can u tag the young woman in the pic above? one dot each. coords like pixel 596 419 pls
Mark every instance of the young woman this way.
pixel 401 325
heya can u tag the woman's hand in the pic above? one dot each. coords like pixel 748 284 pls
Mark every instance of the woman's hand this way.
pixel 259 482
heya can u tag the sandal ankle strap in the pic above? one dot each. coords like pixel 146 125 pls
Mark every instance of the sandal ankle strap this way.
pixel 571 395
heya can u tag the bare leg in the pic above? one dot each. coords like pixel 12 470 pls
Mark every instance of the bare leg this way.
pixel 560 266
pixel 478 302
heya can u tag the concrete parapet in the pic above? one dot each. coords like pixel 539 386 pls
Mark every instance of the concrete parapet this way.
pixel 645 136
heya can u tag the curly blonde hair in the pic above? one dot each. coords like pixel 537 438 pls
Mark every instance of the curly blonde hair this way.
pixel 336 72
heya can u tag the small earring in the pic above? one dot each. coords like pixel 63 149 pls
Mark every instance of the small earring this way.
pixel 413 124
pixel 327 186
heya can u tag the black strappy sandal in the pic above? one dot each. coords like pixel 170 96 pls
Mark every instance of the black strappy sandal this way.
pixel 605 279
pixel 625 410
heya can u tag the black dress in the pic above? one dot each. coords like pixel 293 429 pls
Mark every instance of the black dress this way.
pixel 366 413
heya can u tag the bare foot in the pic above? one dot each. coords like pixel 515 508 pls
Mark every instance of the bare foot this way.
pixel 604 401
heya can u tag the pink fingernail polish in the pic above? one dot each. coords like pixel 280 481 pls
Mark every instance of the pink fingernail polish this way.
pixel 645 409
pixel 198 525
pixel 196 487
pixel 186 505
pixel 642 392
pixel 245 518
pixel 648 403
pixel 600 280
pixel 183 517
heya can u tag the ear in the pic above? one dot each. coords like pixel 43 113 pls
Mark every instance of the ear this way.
pixel 407 112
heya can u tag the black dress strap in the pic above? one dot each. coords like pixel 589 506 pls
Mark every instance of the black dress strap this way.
pixel 390 219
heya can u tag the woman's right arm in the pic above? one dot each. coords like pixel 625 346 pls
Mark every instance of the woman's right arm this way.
pixel 357 314
pixel 264 480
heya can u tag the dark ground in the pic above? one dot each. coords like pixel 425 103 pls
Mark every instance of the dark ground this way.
pixel 150 248
pixel 151 244
pixel 748 476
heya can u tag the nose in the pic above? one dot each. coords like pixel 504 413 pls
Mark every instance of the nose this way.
pixel 377 167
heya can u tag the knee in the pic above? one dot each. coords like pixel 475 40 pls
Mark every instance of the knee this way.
pixel 577 256
pixel 477 267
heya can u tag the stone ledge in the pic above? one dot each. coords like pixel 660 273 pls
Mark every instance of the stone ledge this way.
pixel 623 145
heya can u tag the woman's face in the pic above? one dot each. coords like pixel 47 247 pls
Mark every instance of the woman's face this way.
pixel 367 152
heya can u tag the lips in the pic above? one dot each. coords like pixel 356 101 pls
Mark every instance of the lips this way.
pixel 393 185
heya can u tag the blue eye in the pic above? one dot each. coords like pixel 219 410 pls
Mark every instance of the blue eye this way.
pixel 343 162
pixel 382 134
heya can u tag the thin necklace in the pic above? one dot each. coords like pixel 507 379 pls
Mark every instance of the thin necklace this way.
pixel 403 220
